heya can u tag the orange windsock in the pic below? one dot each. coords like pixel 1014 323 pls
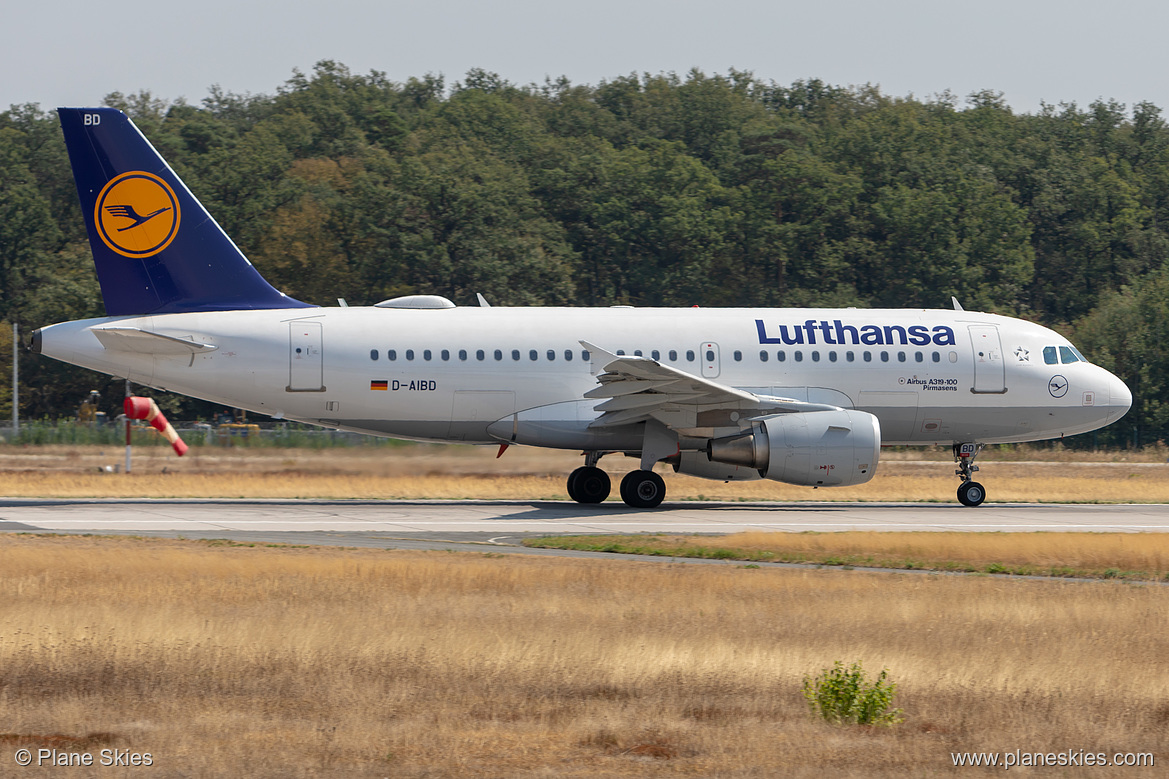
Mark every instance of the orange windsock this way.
pixel 146 408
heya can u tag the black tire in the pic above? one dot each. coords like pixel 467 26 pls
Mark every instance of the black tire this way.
pixel 971 493
pixel 643 489
pixel 588 485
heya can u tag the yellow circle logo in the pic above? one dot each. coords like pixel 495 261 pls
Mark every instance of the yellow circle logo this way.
pixel 137 214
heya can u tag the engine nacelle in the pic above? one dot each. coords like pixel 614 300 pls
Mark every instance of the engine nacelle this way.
pixel 813 448
pixel 698 464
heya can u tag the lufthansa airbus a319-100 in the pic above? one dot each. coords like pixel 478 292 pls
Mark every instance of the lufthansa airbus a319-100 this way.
pixel 804 396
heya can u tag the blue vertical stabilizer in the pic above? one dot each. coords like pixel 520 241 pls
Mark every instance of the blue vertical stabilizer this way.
pixel 156 249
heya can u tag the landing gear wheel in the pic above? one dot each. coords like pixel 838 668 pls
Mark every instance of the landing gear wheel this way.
pixel 643 489
pixel 588 484
pixel 971 493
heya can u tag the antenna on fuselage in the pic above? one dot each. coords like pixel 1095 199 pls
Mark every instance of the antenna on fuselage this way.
pixel 482 300
pixel 957 305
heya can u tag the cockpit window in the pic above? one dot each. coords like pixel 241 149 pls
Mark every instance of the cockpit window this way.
pixel 1068 354
pixel 1049 355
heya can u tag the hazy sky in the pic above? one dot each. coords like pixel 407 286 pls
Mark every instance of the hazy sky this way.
pixel 73 53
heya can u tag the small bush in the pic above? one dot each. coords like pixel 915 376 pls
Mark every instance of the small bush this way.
pixel 842 694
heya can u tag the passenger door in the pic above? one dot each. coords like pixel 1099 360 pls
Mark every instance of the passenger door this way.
pixel 989 366
pixel 306 364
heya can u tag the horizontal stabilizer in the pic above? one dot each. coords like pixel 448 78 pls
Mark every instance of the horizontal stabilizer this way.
pixel 133 339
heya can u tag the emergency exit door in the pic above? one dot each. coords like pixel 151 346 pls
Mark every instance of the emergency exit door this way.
pixel 708 355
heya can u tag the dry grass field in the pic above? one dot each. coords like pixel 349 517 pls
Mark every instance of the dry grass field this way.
pixel 456 472
pixel 279 662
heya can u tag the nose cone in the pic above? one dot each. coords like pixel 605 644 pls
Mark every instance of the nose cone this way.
pixel 1119 398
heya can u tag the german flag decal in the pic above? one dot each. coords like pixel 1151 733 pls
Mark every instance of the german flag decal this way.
pixel 384 386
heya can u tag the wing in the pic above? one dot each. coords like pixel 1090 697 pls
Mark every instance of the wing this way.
pixel 637 389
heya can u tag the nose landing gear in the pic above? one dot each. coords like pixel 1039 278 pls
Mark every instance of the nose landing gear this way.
pixel 970 493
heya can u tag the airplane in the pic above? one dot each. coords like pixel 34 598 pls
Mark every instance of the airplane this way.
pixel 803 396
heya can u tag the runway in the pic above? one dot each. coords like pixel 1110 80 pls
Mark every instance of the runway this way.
pixel 505 522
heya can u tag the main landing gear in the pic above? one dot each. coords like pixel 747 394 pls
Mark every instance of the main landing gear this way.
pixel 589 484
pixel 639 489
pixel 642 489
pixel 970 493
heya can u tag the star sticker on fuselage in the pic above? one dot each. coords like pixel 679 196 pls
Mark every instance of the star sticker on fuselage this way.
pixel 1024 355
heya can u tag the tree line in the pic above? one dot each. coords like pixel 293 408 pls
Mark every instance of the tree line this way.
pixel 695 189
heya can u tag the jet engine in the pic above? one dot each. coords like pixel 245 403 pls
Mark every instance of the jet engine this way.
pixel 813 448
pixel 698 464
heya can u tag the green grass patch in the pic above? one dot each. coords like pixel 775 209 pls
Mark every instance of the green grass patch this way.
pixel 705 547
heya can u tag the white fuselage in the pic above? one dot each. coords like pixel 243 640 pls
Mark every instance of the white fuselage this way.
pixel 929 376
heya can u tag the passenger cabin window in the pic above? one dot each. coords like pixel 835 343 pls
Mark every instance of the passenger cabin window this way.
pixel 515 354
pixel 799 356
pixel 551 355
pixel 533 355
pixel 637 352
pixel 655 354
pixel 673 355
pixel 409 354
pixel 937 357
pixel 426 354
pixel 446 354
pixel 689 355
pixel 480 355
pixel 919 356
pixel 499 354
pixel 850 356
pixel 762 355
pixel 463 354
pixel 584 355
pixel 868 356
pixel 373 354
pixel 815 356
pixel 1049 355
pixel 392 354
pixel 781 355
pixel 831 356
pixel 568 355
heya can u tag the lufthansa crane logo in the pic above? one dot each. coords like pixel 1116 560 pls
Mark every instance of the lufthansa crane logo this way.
pixel 137 214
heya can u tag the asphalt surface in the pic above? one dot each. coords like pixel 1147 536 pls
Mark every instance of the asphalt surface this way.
pixel 501 526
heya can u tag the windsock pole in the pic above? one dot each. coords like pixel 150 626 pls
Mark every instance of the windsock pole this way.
pixel 127 427
pixel 146 408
